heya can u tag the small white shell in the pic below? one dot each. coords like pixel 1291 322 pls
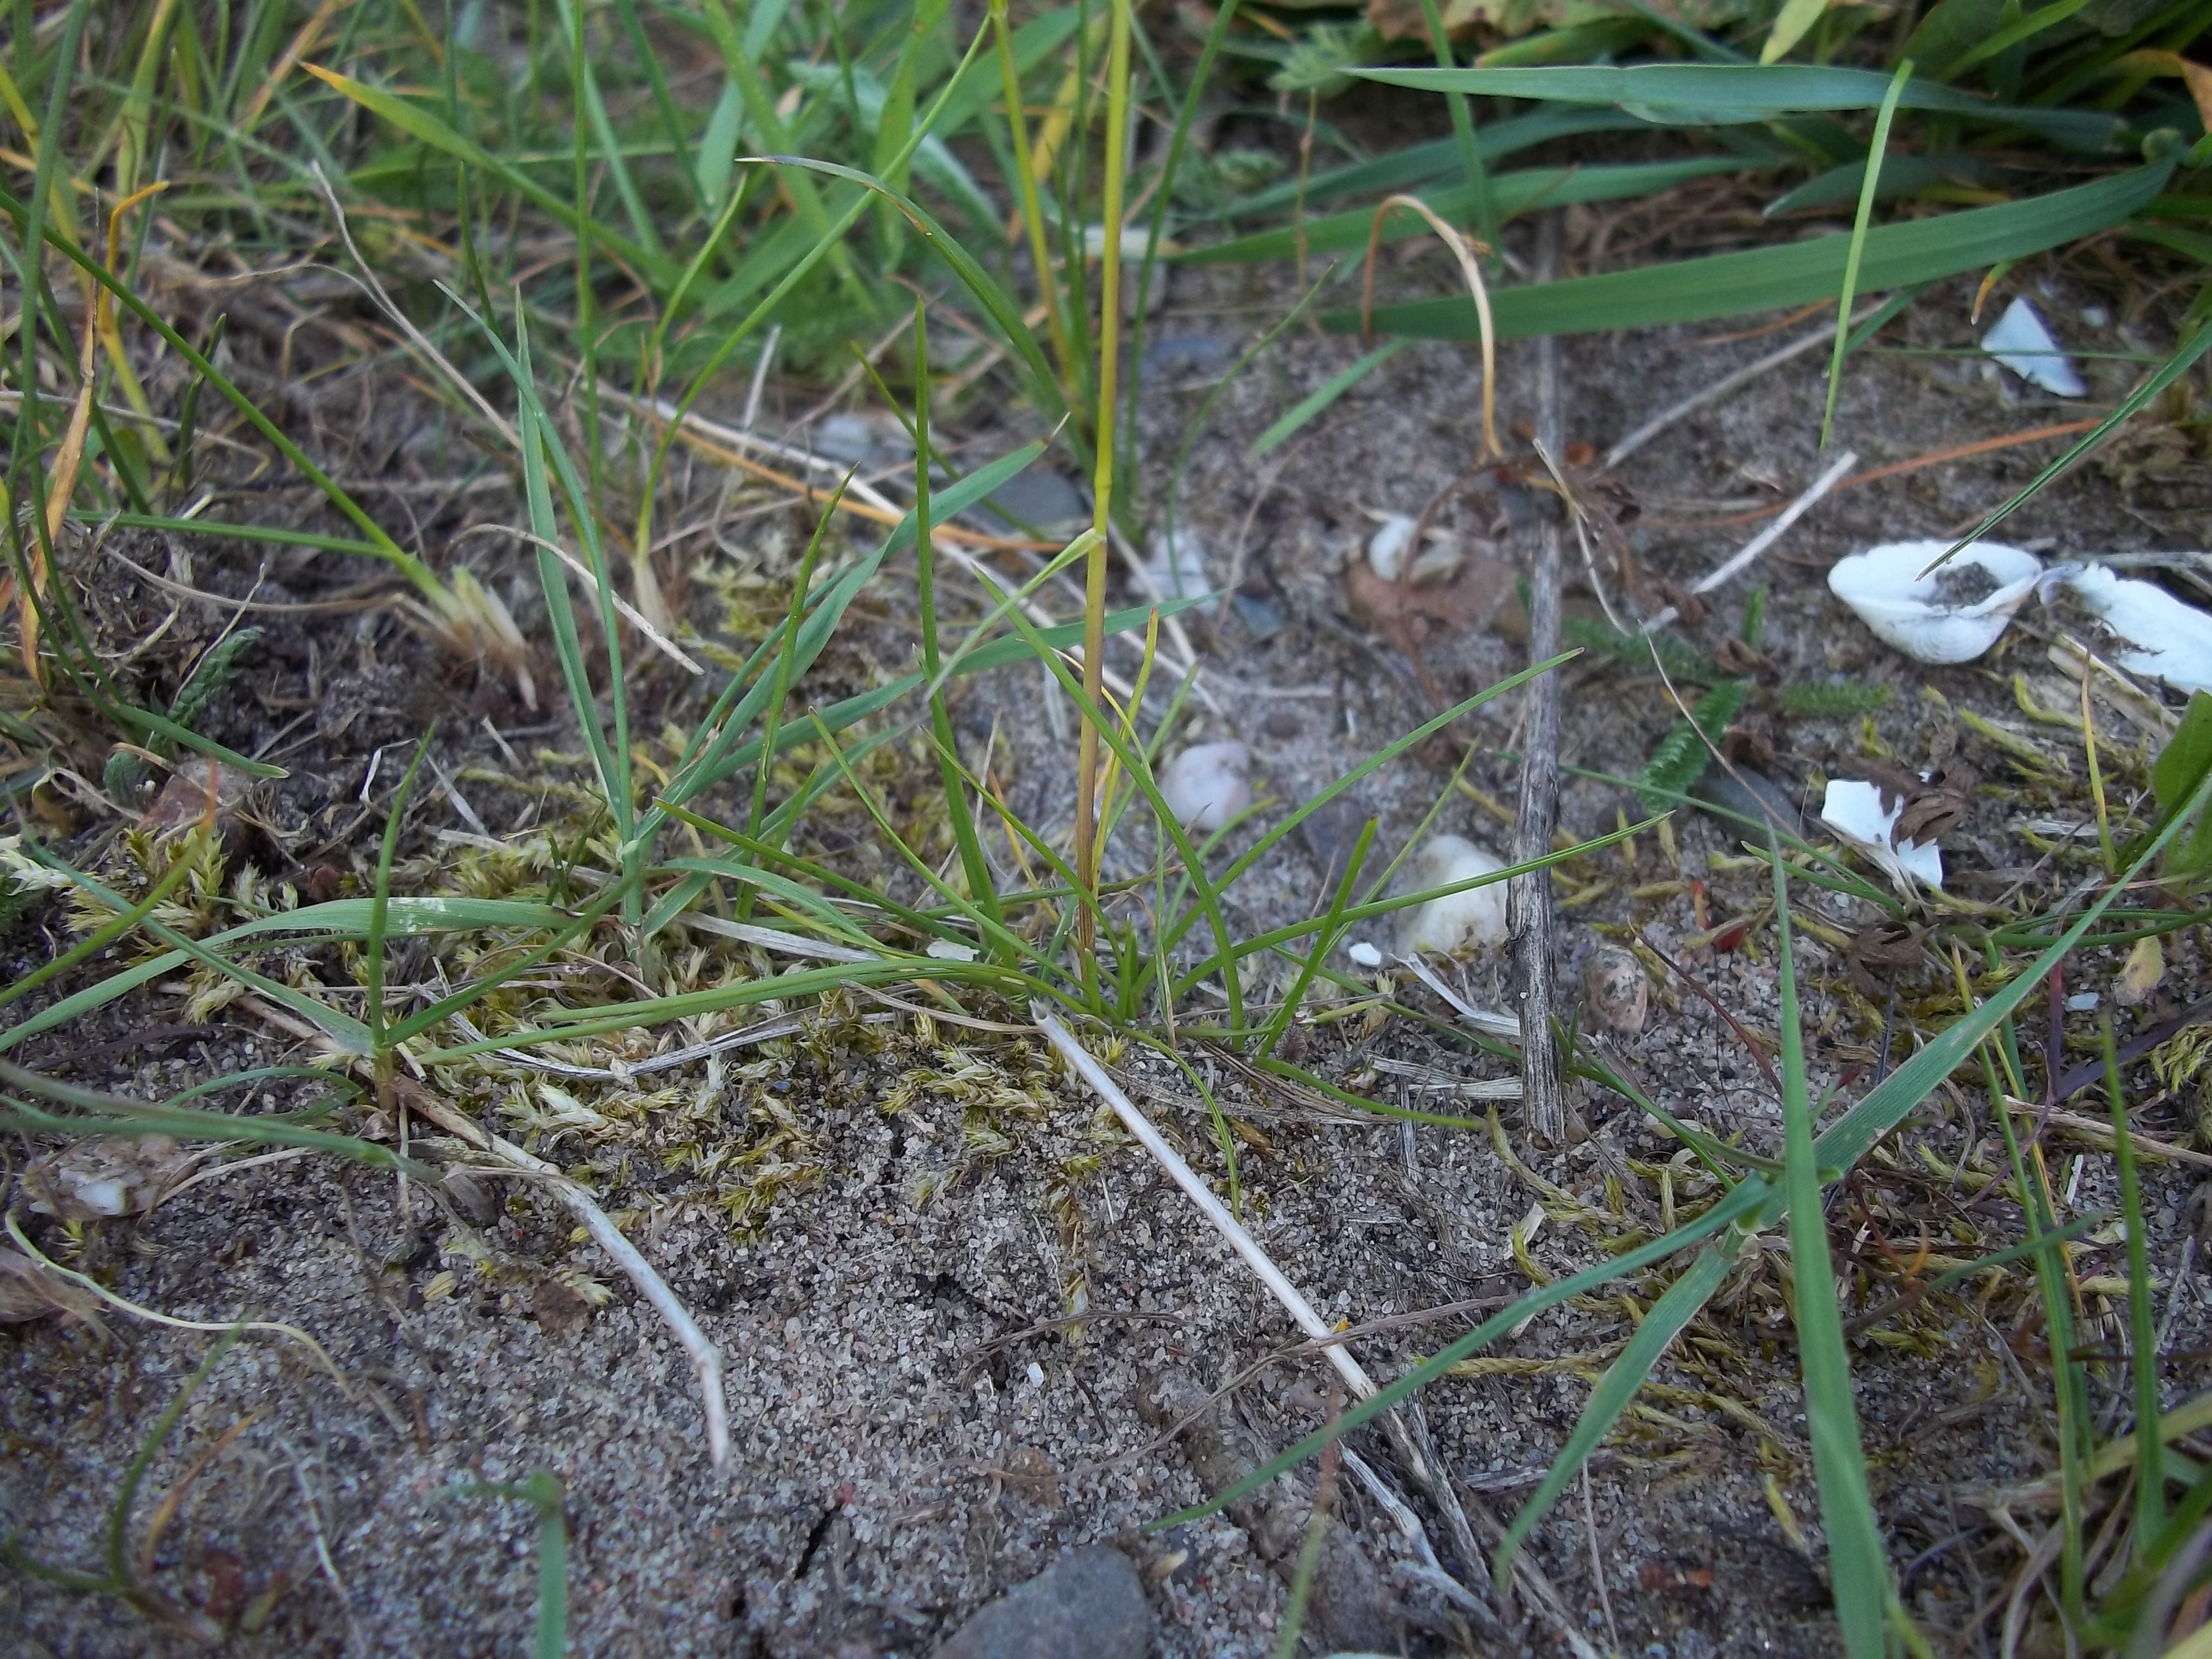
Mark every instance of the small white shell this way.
pixel 2171 640
pixel 2022 343
pixel 1386 550
pixel 1457 922
pixel 945 949
pixel 1854 810
pixel 1207 785
pixel 1904 610
pixel 1363 954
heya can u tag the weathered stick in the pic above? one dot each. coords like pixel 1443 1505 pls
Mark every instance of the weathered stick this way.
pixel 1531 910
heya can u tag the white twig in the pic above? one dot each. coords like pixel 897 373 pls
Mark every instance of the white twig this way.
pixel 1489 1025
pixel 660 639
pixel 1216 1213
pixel 760 377
pixel 368 284
pixel 706 1357
pixel 1727 383
pixel 1765 539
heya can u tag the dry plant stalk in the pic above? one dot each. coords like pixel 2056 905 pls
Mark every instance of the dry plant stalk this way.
pixel 1470 268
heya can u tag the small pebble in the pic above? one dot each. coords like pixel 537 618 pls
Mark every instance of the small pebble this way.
pixel 1458 921
pixel 1281 724
pixel 1089 1605
pixel 1615 990
pixel 1207 784
pixel 1363 954
pixel 2084 1002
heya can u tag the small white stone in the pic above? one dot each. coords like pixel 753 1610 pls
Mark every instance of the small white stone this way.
pixel 1854 809
pixel 2096 317
pixel 1036 1375
pixel 2082 1002
pixel 2022 343
pixel 1208 784
pixel 1363 953
pixel 1457 922
pixel 1915 614
pixel 945 949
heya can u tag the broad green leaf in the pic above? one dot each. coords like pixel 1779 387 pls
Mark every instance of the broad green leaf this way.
pixel 1700 95
pixel 1798 273
pixel 1509 192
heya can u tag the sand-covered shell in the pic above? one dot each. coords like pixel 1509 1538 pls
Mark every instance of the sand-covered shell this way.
pixel 1951 614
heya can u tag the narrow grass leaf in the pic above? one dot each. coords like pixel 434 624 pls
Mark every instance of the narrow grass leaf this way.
pixel 1858 1563
pixel 1300 414
pixel 1876 150
pixel 1676 1309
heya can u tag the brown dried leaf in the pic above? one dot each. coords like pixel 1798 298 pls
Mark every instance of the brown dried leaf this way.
pixel 28 1291
pixel 199 791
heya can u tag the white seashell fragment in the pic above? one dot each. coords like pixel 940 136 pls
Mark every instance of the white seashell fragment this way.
pixel 1363 954
pixel 1439 555
pixel 1208 784
pixel 1458 921
pixel 945 949
pixel 1855 811
pixel 2022 343
pixel 1951 614
pixel 2170 641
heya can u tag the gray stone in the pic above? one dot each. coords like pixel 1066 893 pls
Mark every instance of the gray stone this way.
pixel 1089 1605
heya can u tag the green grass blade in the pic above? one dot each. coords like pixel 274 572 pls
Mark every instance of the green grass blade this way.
pixel 2193 348
pixel 416 571
pixel 1676 1309
pixel 1325 939
pixel 1791 24
pixel 586 82
pixel 426 128
pixel 1799 273
pixel 1300 414
pixel 1858 1563
pixel 1876 150
pixel 1457 105
pixel 379 904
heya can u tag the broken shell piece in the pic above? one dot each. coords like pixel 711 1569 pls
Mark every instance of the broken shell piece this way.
pixel 1857 811
pixel 1457 922
pixel 945 949
pixel 1207 785
pixel 1440 555
pixel 2169 640
pixel 98 1180
pixel 1363 954
pixel 2023 344
pixel 1615 990
pixel 1951 614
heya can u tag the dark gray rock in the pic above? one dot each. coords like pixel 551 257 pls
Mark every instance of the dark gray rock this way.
pixel 1089 1605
